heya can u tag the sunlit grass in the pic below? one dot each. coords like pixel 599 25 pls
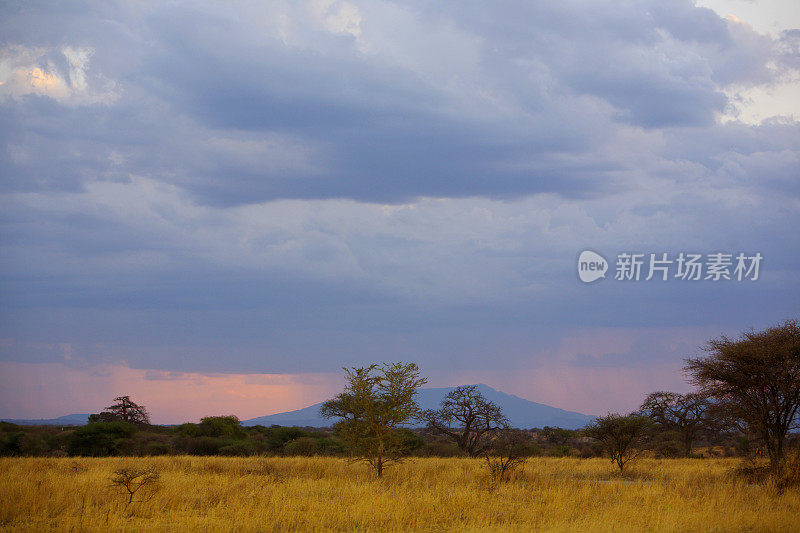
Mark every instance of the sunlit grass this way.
pixel 279 494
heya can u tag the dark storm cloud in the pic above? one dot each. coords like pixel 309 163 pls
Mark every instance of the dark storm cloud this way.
pixel 386 126
pixel 387 131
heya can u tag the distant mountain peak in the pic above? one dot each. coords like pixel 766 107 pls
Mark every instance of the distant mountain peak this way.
pixel 520 412
pixel 66 420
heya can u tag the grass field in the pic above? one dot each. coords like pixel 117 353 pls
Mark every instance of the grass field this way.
pixel 279 494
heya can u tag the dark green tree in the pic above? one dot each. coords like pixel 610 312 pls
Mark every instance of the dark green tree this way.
pixel 376 404
pixel 221 426
pixel 100 439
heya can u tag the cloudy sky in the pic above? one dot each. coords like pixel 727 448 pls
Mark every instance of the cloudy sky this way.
pixel 213 207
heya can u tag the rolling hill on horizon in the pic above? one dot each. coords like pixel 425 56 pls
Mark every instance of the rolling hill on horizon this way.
pixel 520 412
pixel 66 420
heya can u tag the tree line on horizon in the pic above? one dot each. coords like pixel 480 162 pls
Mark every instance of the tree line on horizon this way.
pixel 747 386
pixel 746 403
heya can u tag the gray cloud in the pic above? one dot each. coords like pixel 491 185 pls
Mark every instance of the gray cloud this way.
pixel 300 185
pixel 376 116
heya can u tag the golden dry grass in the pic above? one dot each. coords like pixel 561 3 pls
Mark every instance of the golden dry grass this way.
pixel 280 494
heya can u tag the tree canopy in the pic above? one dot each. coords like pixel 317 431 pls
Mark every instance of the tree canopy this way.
pixel 756 377
pixel 123 410
pixel 686 414
pixel 467 418
pixel 622 436
pixel 374 408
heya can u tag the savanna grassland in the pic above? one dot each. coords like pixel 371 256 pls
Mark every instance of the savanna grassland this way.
pixel 279 494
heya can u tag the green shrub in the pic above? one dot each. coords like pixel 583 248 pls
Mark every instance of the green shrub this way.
pixel 590 449
pixel 202 445
pixel 237 449
pixel 189 430
pixel 9 442
pixel 33 444
pixel 275 438
pixel 157 448
pixel 100 439
pixel 306 446
pixel 563 450
pixel 222 426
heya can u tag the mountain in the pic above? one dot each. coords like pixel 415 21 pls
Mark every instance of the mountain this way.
pixel 66 420
pixel 520 412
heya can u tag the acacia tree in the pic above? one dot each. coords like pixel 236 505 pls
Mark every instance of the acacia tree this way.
pixel 623 437
pixel 685 414
pixel 756 377
pixel 124 410
pixel 375 405
pixel 468 419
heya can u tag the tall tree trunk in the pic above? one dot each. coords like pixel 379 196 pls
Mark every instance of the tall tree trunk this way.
pixel 775 451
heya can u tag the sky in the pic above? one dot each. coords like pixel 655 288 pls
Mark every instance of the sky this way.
pixel 213 207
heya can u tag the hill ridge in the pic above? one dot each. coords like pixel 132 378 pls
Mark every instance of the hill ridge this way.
pixel 520 412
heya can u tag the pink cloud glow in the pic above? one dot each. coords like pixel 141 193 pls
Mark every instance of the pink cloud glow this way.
pixel 591 370
pixel 598 370
pixel 48 390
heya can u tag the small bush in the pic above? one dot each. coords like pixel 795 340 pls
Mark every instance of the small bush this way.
pixel 157 448
pixel 130 481
pixel 275 438
pixel 305 446
pixel 788 475
pixel 9 443
pixel 560 451
pixel 100 439
pixel 588 450
pixel 222 426
pixel 205 446
pixel 240 449
pixel 509 450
